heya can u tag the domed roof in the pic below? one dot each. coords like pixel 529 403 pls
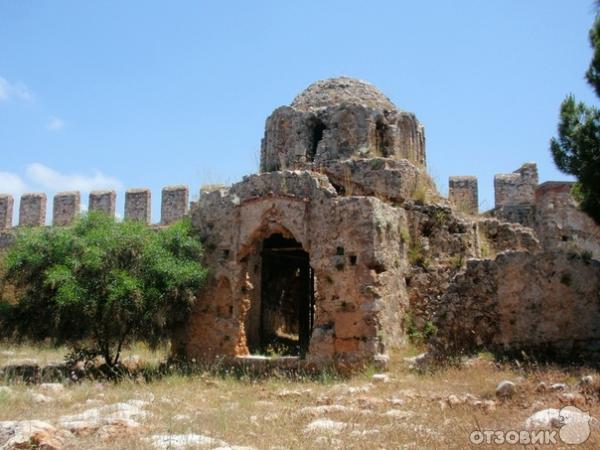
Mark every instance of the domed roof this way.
pixel 334 91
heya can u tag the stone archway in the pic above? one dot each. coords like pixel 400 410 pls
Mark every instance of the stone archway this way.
pixel 281 316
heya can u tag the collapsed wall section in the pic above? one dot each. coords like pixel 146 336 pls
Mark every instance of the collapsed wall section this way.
pixel 544 304
pixel 559 222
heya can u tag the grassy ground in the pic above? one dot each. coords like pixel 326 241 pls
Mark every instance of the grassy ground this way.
pixel 409 411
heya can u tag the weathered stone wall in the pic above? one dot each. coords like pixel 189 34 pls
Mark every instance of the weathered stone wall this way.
pixel 560 224
pixel 32 209
pixel 463 193
pixel 6 211
pixel 138 205
pixel 67 206
pixel 175 204
pixel 517 188
pixel 515 195
pixel 103 201
pixel 440 243
pixel 354 252
pixel 391 180
pixel 495 236
pixel 545 304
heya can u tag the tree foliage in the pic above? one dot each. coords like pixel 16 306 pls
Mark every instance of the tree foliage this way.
pixel 576 151
pixel 99 285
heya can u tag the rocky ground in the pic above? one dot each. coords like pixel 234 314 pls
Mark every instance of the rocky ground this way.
pixel 400 409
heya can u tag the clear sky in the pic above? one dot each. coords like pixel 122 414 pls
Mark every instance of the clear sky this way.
pixel 129 94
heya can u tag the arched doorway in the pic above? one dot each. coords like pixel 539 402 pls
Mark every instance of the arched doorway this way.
pixel 286 297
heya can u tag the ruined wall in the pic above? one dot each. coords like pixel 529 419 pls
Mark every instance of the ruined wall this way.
pixel 32 210
pixel 440 242
pixel 354 252
pixel 517 188
pixel 560 224
pixel 545 304
pixel 391 180
pixel 6 211
pixel 463 193
pixel 138 205
pixel 103 201
pixel 175 204
pixel 67 206
pixel 515 195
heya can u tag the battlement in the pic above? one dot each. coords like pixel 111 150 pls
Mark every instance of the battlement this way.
pixel 463 193
pixel 514 194
pixel 66 206
pixel 516 188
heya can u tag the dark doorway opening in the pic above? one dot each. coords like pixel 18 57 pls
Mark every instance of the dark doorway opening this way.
pixel 287 297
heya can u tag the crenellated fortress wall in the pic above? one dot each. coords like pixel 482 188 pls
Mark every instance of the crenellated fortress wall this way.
pixel 548 208
pixel 66 206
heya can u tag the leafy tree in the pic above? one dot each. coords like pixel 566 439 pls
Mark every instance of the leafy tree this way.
pixel 577 149
pixel 99 285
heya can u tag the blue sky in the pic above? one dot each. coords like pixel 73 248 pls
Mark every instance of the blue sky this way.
pixel 146 93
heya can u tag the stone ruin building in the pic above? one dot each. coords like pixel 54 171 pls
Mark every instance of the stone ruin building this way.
pixel 341 247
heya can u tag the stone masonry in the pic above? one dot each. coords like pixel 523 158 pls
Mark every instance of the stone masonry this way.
pixel 174 204
pixel 138 205
pixel 560 224
pixel 338 119
pixel 6 211
pixel 103 201
pixel 342 188
pixel 67 205
pixel 517 188
pixel 463 193
pixel 32 210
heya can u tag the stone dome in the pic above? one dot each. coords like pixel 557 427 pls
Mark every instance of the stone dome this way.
pixel 335 91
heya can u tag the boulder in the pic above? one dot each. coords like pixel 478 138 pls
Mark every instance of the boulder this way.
pixel 505 389
pixel 30 434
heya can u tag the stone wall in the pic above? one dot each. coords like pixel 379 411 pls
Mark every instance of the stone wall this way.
pixel 515 195
pixel 67 206
pixel 138 205
pixel 440 243
pixel 103 201
pixel 354 252
pixel 395 181
pixel 545 304
pixel 560 224
pixel 32 210
pixel 175 204
pixel 6 211
pixel 463 193
pixel 517 188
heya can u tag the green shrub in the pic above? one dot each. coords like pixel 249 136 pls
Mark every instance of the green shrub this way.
pixel 99 285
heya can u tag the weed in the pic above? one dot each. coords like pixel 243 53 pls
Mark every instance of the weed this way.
pixel 565 279
pixel 417 257
pixel 457 261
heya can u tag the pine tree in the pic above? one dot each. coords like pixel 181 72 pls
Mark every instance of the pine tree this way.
pixel 576 151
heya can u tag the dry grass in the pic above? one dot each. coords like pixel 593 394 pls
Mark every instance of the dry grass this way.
pixel 267 413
